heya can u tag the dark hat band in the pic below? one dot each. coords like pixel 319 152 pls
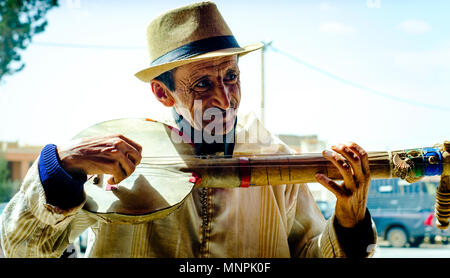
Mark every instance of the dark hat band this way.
pixel 196 48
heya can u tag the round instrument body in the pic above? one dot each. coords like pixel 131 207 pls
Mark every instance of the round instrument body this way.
pixel 156 187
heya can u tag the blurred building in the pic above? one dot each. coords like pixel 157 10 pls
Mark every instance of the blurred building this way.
pixel 309 144
pixel 19 158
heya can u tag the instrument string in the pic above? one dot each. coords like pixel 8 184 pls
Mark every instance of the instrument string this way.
pixel 294 160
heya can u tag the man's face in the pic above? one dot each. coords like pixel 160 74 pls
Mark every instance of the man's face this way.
pixel 207 94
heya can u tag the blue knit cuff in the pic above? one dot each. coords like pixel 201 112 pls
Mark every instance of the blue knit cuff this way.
pixel 61 189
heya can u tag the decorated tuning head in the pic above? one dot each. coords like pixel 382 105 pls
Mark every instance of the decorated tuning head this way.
pixel 411 165
pixel 402 166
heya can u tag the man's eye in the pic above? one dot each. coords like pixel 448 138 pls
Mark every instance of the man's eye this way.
pixel 203 84
pixel 231 76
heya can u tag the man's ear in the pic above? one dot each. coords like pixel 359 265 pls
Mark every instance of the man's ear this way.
pixel 162 93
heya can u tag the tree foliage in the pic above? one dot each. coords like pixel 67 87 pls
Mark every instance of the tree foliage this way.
pixel 20 20
pixel 4 171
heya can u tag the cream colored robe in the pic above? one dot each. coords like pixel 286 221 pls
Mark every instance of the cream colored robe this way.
pixel 269 221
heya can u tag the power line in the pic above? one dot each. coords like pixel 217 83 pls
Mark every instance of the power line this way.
pixel 356 85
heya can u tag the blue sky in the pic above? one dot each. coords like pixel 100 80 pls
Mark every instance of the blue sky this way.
pixel 375 72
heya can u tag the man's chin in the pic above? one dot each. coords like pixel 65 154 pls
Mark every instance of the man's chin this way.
pixel 219 129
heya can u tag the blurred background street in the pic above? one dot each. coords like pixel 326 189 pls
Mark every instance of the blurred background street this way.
pixel 425 250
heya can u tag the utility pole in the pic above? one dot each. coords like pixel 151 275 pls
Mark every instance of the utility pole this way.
pixel 263 49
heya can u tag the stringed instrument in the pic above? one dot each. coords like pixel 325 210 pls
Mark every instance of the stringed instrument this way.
pixel 169 171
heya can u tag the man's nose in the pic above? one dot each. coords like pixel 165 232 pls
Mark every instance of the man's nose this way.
pixel 221 98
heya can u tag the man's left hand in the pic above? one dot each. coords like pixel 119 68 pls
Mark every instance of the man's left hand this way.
pixel 352 162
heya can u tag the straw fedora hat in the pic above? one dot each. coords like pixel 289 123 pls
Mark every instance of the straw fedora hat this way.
pixel 189 34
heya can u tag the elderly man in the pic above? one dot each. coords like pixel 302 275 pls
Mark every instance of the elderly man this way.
pixel 194 68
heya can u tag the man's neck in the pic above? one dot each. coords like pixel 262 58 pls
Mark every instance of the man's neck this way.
pixel 226 146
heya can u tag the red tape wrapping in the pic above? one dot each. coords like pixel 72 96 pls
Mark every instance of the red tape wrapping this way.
pixel 244 171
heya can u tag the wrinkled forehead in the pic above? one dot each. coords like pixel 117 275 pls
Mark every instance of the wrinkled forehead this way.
pixel 210 65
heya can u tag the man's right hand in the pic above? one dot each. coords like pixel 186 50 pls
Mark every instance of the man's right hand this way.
pixel 112 154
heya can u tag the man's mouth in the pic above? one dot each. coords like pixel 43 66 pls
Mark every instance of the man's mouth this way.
pixel 224 117
pixel 223 121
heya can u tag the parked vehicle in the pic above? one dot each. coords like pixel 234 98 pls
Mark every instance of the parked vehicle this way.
pixel 401 211
pixel 432 234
